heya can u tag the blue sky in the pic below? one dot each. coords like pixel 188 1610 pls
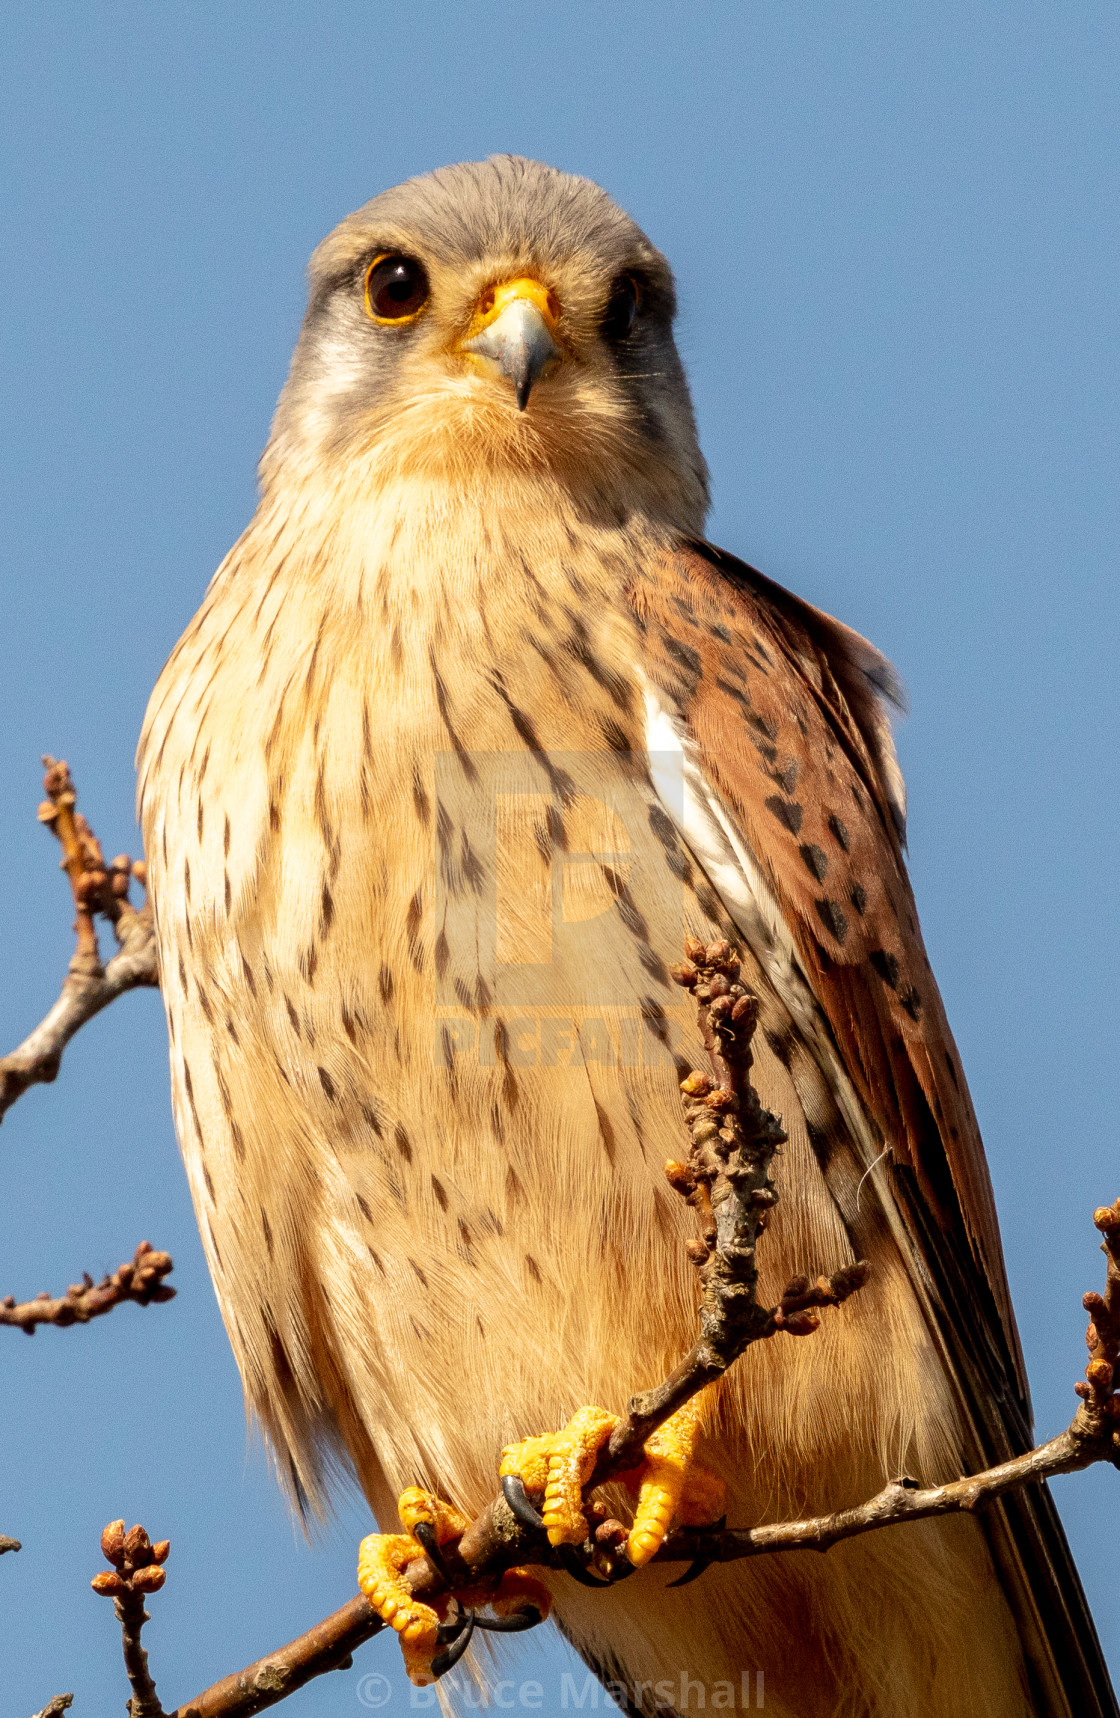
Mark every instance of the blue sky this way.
pixel 895 238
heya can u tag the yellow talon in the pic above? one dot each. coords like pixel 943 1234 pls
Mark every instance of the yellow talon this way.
pixel 382 1559
pixel 560 1465
pixel 670 1486
pixel 417 1506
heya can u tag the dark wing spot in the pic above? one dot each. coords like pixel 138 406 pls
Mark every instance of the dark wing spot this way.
pixel 442 955
pixel 684 654
pixel 815 860
pixel 839 831
pixel 385 984
pixel 832 918
pixel 886 965
pixel 912 1003
pixel 402 1143
pixel 532 1267
pixel 327 1084
pixel 267 1227
pixel 438 1190
pixel 787 811
pixel 735 692
pixel 857 895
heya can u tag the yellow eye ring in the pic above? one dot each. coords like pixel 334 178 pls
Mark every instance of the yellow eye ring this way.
pixel 396 289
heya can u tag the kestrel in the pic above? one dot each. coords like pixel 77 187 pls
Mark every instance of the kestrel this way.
pixel 472 727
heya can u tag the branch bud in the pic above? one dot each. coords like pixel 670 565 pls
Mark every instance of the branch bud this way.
pixel 137 1545
pixel 112 1543
pixel 696 1085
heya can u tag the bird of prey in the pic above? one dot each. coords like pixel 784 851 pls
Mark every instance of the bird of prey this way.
pixel 471 728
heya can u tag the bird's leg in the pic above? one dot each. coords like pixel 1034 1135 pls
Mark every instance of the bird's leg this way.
pixel 429 1642
pixel 670 1486
pixel 382 1559
pixel 556 1468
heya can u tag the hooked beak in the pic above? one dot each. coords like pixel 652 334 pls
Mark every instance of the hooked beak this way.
pixel 513 327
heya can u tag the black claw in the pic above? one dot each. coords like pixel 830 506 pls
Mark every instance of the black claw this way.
pixel 448 1632
pixel 570 1561
pixel 443 1661
pixel 425 1534
pixel 526 1619
pixel 513 1490
pixel 699 1564
pixel 622 1570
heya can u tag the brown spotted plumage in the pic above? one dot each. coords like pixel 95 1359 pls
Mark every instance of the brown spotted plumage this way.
pixel 471 729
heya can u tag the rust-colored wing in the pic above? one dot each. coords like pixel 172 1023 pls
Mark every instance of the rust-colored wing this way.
pixel 784 709
pixel 782 703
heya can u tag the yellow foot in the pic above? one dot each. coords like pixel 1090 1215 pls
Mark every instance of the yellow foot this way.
pixel 559 1465
pixel 669 1486
pixel 382 1560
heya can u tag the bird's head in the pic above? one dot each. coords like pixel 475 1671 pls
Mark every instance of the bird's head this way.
pixel 491 320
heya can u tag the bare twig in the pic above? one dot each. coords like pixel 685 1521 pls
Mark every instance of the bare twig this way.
pixel 726 1178
pixel 137 1571
pixel 140 1279
pixel 56 1707
pixel 327 1646
pixel 1093 1436
pixel 97 889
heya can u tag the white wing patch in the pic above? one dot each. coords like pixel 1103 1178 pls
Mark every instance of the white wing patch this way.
pixel 717 845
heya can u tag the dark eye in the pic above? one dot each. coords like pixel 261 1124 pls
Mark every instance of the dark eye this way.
pixel 396 288
pixel 622 308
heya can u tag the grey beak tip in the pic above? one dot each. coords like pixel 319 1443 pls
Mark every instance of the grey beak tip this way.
pixel 520 345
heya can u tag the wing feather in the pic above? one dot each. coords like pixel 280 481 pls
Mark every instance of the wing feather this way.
pixel 787 711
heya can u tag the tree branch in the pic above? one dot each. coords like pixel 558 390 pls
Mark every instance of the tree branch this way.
pixel 56 1707
pixel 98 890
pixel 327 1646
pixel 140 1279
pixel 726 1179
pixel 137 1571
